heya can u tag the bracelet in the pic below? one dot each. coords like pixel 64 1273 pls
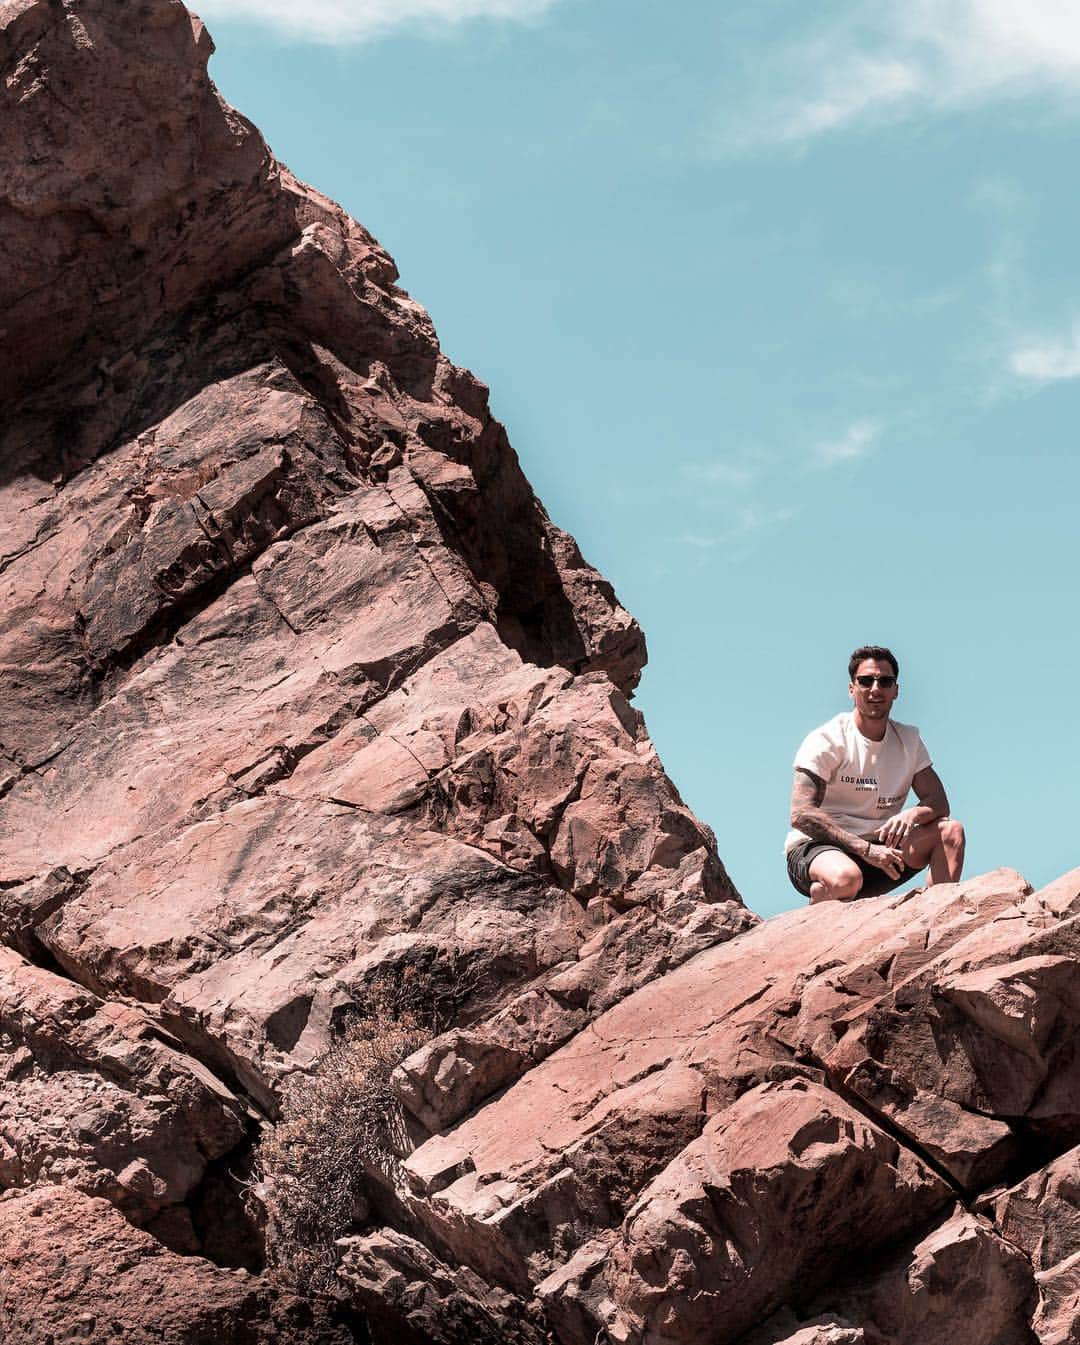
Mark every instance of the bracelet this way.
pixel 869 846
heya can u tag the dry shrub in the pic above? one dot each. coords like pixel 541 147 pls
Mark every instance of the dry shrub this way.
pixel 339 1127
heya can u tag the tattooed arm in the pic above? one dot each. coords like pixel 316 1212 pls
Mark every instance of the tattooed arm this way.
pixel 808 816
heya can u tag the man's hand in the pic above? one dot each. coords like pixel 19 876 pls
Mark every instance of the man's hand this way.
pixel 885 857
pixel 895 831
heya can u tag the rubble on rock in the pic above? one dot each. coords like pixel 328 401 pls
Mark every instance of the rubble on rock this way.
pixel 302 695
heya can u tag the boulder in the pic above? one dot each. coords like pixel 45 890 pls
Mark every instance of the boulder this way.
pixel 602 1182
pixel 72 1268
pixel 767 1203
pixel 1041 1217
pixel 96 1098
pixel 412 1298
pixel 959 1282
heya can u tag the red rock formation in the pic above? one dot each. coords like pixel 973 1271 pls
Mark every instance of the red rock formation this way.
pixel 292 657
pixel 732 1136
pixel 788 1119
pixel 300 687
pixel 302 693
pixel 96 1098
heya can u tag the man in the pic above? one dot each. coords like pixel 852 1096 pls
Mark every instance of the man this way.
pixel 852 835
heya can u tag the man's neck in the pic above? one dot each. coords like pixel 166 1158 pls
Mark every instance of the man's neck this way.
pixel 874 729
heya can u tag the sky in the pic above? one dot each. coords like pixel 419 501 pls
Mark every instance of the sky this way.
pixel 780 305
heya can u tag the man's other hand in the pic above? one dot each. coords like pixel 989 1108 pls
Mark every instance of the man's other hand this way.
pixel 895 831
pixel 885 857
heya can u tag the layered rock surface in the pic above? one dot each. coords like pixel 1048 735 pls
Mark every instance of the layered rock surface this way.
pixel 301 690
pixel 300 683
pixel 798 1111
pixel 301 695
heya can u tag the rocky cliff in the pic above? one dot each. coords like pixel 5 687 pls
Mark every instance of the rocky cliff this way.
pixel 306 704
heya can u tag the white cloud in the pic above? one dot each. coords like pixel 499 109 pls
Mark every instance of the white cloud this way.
pixel 862 85
pixel 884 61
pixel 364 20
pixel 856 442
pixel 1047 361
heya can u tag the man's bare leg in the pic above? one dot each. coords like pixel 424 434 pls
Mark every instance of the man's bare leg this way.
pixel 939 844
pixel 834 876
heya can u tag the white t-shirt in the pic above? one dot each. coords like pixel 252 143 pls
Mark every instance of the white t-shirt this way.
pixel 865 782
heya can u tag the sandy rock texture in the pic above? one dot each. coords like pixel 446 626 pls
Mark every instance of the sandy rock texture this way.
pixel 303 697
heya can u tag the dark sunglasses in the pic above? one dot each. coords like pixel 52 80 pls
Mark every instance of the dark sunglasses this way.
pixel 885 683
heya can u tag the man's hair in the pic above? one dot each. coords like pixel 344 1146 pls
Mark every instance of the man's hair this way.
pixel 877 651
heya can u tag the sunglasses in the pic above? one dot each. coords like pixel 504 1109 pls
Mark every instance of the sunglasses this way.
pixel 885 683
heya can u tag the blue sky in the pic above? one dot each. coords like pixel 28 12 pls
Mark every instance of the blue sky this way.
pixel 781 307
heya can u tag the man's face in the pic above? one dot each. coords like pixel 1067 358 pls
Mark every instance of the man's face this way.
pixel 874 701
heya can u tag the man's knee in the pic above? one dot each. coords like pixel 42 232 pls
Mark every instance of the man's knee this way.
pixel 952 833
pixel 848 884
pixel 841 880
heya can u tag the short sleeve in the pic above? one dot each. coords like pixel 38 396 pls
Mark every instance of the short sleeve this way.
pixel 819 755
pixel 922 756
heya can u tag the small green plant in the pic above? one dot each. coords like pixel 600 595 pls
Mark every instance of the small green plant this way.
pixel 340 1128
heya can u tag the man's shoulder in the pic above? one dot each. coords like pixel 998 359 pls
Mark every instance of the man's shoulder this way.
pixel 836 728
pixel 828 738
pixel 907 732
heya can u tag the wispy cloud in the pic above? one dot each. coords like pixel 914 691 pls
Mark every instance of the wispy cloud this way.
pixel 743 523
pixel 855 442
pixel 1047 361
pixel 702 541
pixel 888 61
pixel 717 472
pixel 866 85
pixel 365 20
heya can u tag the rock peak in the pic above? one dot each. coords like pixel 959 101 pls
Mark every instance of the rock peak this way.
pixel 303 694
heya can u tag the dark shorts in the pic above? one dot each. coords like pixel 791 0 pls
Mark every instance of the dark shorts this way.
pixel 875 881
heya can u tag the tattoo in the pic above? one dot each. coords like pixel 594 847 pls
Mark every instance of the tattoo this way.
pixel 808 791
pixel 807 816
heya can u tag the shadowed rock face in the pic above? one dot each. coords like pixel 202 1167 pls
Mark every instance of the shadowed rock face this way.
pixel 300 690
